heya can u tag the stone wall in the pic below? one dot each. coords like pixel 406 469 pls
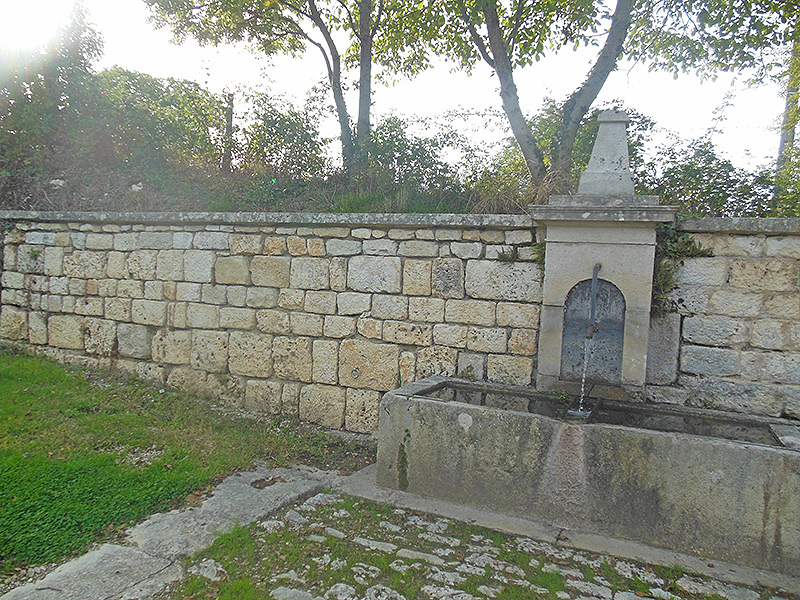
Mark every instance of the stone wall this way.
pixel 318 315
pixel 738 321
pixel 309 315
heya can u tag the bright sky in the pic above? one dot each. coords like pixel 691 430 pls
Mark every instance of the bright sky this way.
pixel 687 106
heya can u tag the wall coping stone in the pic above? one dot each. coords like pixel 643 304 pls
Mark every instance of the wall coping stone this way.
pixel 741 225
pixel 272 218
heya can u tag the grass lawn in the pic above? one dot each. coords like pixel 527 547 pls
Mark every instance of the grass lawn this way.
pixel 83 456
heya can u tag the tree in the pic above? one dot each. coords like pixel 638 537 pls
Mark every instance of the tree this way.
pixel 291 26
pixel 705 35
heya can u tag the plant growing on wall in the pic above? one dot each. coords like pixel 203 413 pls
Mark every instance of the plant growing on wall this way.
pixel 671 246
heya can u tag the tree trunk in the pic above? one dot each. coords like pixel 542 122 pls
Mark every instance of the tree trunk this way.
pixel 534 159
pixel 334 65
pixel 577 105
pixel 227 140
pixel 363 126
pixel 790 111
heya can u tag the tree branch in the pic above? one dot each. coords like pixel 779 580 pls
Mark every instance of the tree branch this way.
pixel 473 33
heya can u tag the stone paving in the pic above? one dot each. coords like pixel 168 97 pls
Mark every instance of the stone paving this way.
pixel 346 549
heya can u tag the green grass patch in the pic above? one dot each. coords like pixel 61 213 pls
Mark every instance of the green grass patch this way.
pixel 82 456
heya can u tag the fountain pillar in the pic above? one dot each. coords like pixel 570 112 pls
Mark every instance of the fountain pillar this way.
pixel 605 223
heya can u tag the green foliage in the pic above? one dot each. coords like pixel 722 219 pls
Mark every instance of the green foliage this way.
pixel 786 202
pixel 693 177
pixel 79 461
pixel 671 246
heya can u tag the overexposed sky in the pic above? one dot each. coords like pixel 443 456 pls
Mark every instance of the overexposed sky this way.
pixel 686 105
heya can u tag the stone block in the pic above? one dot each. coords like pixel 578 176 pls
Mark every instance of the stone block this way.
pixel 273 321
pixel 448 278
pixel 402 332
pixel 100 337
pixel 198 265
pixel 778 306
pixel 188 380
pixel 768 275
pixel 231 270
pixel 494 280
pixel 522 341
pixel 291 299
pixel 370 328
pixel 519 236
pixel 511 314
pixel 735 303
pixel 141 264
pixel 88 307
pixel 482 339
pixel 214 294
pixel 331 232
pixel 182 240
pixel 263 396
pixel 297 246
pixel 169 265
pixel 781 367
pixel 326 361
pixel 274 245
pixel 250 354
pixel 117 309
pixel 237 318
pixel 211 240
pixel 714 362
pixel 471 366
pixel 188 292
pixel 40 237
pixel 270 271
pixel 436 360
pixel 782 246
pixel 99 241
pixel 262 297
pixel 339 247
pixel 753 398
pixel 476 312
pixel 663 347
pixel 237 295
pixel 339 327
pixel 418 248
pixel 209 351
pixel 309 274
pixel 361 410
pixel 447 235
pixel 292 358
pixel 492 237
pixel 515 370
pixel 770 334
pixel 321 302
pixel 54 261
pixel 13 280
pixel 129 288
pixel 361 233
pixel 417 277
pixel 428 310
pixel 125 241
pixel 364 364
pixel 172 347
pixel 454 336
pixel 245 244
pixel 316 247
pixel 154 240
pixel 400 234
pixel 64 331
pixel 13 323
pixel 383 247
pixel 290 399
pixel 323 405
pixel 377 274
pixel 389 307
pixel 408 367
pixel 153 290
pixel 703 271
pixel 715 330
pixel 133 341
pixel 30 259
pixel 306 324
pixel 338 274
pixel 353 303
pixel 149 312
pixel 37 327
pixel 83 264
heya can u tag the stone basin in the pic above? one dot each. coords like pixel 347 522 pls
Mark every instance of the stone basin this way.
pixel 710 483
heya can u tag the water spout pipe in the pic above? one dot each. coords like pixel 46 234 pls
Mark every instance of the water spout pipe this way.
pixel 592 328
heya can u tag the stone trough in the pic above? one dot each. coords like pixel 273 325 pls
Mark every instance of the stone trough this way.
pixel 708 483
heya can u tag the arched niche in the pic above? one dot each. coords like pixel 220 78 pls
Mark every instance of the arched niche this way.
pixel 605 346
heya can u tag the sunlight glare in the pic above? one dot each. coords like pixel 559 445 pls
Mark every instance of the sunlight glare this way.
pixel 31 24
